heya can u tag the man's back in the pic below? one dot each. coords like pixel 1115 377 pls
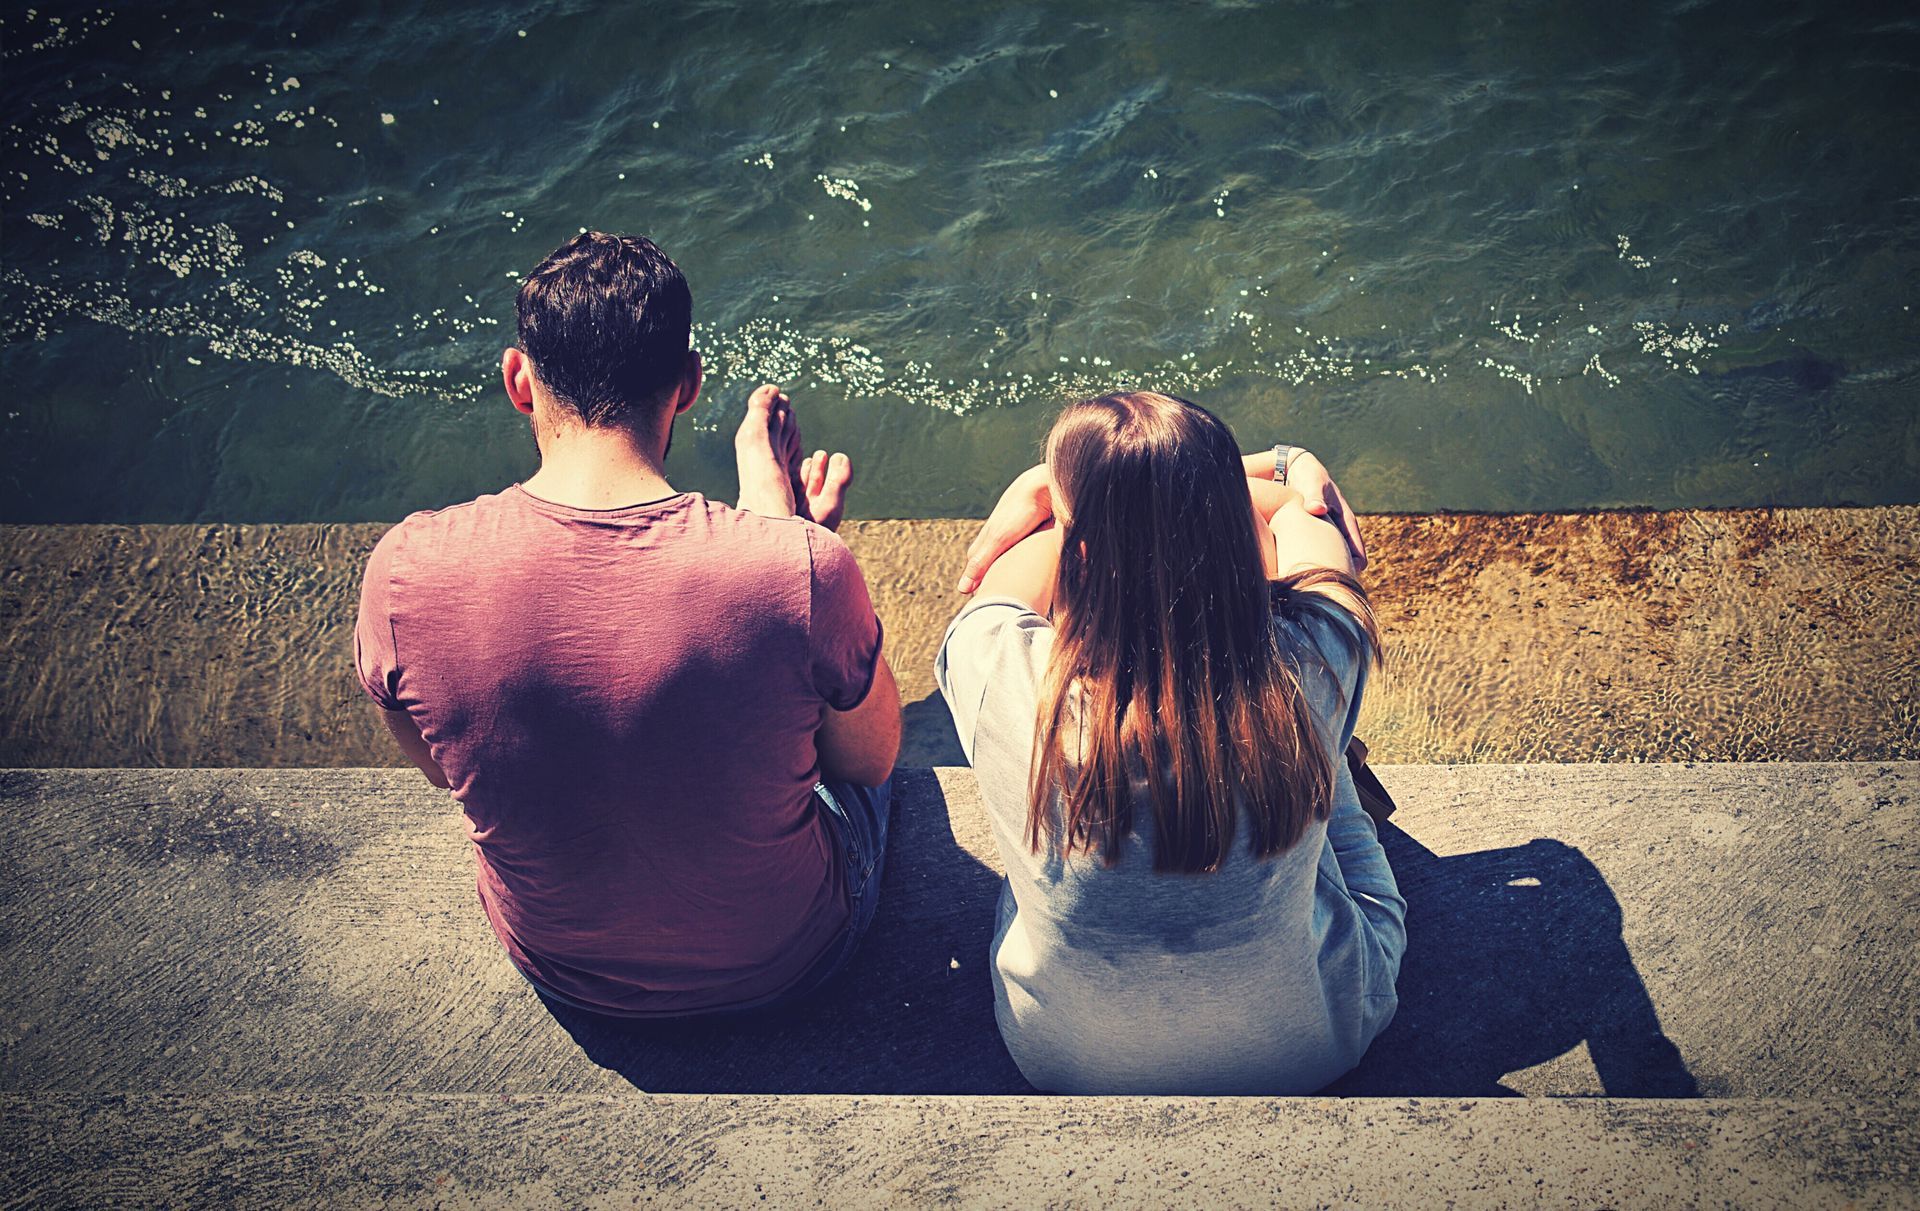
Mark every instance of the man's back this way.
pixel 625 702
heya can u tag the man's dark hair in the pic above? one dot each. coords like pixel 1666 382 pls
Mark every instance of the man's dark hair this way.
pixel 606 320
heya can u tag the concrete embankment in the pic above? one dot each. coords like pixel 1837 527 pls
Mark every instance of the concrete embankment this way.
pixel 1627 930
pixel 276 986
pixel 1700 635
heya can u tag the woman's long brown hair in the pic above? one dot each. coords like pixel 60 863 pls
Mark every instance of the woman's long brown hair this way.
pixel 1166 673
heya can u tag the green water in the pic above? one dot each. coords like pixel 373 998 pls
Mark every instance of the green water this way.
pixel 258 261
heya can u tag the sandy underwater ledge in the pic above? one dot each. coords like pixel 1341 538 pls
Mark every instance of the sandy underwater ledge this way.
pixel 1767 634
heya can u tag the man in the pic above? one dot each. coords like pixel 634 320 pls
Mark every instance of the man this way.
pixel 668 721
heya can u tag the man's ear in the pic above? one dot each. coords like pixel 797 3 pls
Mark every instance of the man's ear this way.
pixel 691 379
pixel 516 374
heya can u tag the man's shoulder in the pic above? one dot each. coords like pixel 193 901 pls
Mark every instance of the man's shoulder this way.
pixel 427 521
pixel 507 530
pixel 420 530
pixel 791 555
pixel 489 536
pixel 793 537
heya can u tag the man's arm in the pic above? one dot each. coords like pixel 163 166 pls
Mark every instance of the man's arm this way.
pixel 403 729
pixel 861 745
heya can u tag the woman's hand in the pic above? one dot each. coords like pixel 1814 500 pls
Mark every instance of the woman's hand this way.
pixel 1024 507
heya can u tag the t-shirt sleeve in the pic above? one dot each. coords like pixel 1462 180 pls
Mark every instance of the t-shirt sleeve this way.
pixel 843 632
pixel 375 655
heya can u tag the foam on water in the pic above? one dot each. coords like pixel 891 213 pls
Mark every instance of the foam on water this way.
pixel 236 279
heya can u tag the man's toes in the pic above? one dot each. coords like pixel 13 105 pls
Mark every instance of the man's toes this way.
pixel 826 493
pixel 761 426
pixel 839 472
pixel 789 449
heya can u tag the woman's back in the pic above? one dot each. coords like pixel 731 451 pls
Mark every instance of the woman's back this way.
pixel 1263 976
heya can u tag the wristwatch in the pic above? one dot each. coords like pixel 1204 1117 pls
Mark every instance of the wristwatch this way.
pixel 1282 455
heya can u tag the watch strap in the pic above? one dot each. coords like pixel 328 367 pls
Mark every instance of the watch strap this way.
pixel 1282 455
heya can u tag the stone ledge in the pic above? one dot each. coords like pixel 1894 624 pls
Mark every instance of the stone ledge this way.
pixel 1717 635
pixel 1624 930
pixel 295 1150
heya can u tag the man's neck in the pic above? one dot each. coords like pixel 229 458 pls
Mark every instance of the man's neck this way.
pixel 603 468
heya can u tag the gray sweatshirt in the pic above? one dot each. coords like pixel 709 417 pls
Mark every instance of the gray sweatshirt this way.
pixel 1264 977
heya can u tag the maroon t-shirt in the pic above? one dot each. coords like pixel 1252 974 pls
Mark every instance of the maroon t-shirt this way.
pixel 625 702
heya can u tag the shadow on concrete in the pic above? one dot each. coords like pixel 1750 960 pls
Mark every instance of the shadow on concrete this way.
pixel 927 735
pixel 900 1018
pixel 1514 957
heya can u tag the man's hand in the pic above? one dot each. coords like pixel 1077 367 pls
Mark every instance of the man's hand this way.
pixel 1024 507
pixel 406 732
pixel 1307 476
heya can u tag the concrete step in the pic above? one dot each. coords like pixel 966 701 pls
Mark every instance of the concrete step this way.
pixel 276 988
pixel 1623 930
pixel 584 1150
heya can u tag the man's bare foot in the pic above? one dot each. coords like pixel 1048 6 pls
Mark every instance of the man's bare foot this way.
pixel 823 486
pixel 763 450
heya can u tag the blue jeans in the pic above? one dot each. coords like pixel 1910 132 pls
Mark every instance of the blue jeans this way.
pixel 860 816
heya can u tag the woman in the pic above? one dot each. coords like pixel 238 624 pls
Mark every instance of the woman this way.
pixel 1154 691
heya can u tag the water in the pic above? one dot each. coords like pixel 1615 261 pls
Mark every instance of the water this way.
pixel 1480 256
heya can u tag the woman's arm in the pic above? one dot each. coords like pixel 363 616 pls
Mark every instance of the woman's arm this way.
pixel 1323 498
pixel 1024 507
pixel 1306 543
pixel 1268 496
pixel 1026 504
pixel 1026 572
pixel 1371 885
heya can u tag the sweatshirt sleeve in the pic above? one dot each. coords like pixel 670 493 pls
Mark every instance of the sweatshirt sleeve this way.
pixel 996 643
pixel 1335 640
